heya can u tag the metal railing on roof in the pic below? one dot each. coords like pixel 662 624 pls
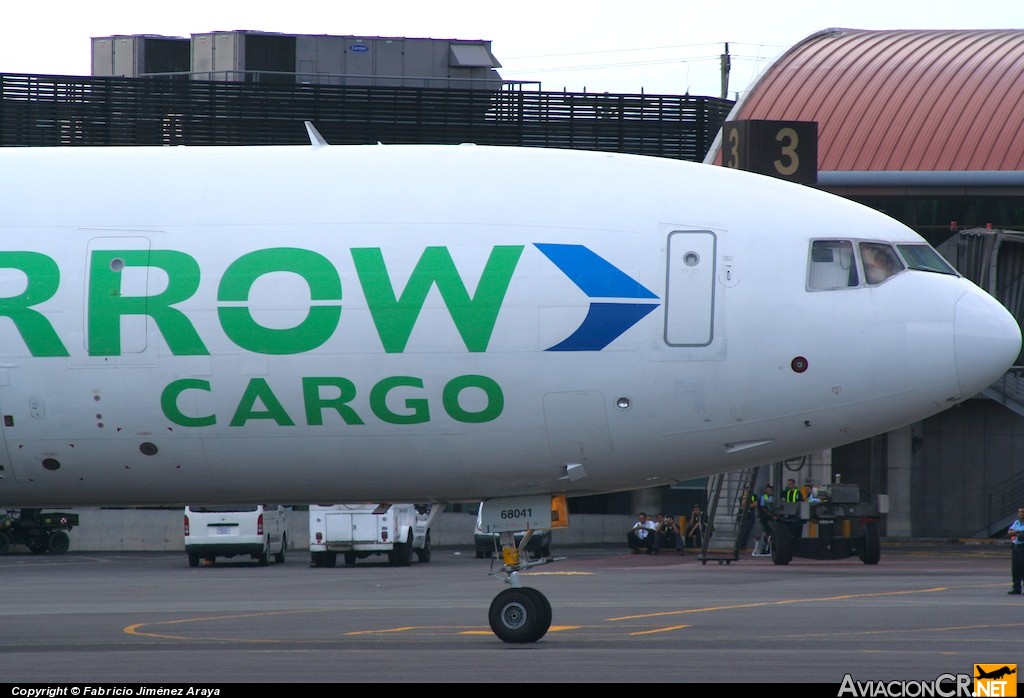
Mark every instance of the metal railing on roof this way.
pixel 347 79
pixel 44 110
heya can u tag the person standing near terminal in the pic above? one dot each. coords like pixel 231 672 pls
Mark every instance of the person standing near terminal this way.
pixel 766 510
pixel 1016 533
pixel 748 507
pixel 792 493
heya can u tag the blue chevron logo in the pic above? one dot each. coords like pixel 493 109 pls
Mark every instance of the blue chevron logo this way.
pixel 599 278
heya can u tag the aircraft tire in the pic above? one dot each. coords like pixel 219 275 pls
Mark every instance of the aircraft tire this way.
pixel 545 608
pixel 871 551
pixel 423 554
pixel 403 552
pixel 782 550
pixel 520 615
pixel 36 541
pixel 58 542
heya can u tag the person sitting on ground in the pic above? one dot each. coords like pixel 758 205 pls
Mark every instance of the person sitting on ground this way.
pixel 695 528
pixel 668 535
pixel 642 534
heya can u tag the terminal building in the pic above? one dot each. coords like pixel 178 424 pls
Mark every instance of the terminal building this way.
pixel 257 88
pixel 927 127
pixel 923 125
pixel 265 57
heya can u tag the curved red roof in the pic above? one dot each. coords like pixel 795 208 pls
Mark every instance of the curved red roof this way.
pixel 902 100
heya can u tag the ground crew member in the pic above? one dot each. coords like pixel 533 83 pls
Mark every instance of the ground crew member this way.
pixel 1016 533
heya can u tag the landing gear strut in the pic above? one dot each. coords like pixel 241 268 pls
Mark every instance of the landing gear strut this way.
pixel 518 614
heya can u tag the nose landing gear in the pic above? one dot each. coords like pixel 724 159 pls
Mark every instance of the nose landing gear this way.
pixel 519 614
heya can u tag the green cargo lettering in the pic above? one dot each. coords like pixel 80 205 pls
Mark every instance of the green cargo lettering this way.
pixel 107 305
pixel 315 403
pixel 321 320
pixel 169 403
pixel 259 390
pixel 418 408
pixel 474 317
pixel 491 389
pixel 43 276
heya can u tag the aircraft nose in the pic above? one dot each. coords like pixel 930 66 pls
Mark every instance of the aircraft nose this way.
pixel 987 341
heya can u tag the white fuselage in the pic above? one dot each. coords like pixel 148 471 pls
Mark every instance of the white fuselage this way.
pixel 442 323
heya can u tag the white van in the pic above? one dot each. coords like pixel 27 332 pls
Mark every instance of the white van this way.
pixel 256 530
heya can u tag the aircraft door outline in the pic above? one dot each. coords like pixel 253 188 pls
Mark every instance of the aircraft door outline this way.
pixel 8 473
pixel 690 288
pixel 133 280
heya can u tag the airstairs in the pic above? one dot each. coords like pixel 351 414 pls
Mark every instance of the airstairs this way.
pixel 729 505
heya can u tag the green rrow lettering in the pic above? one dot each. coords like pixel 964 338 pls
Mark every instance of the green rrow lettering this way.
pixel 474 317
pixel 43 280
pixel 394 316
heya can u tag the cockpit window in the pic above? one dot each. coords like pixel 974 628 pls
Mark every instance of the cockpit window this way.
pixel 924 258
pixel 880 262
pixel 832 265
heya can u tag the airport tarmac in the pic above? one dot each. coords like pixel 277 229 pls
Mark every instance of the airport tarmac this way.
pixel 130 618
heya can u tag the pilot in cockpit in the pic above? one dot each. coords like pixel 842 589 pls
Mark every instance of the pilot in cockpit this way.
pixel 880 262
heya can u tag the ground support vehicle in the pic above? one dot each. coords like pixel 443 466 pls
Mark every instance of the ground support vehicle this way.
pixel 256 530
pixel 41 533
pixel 358 531
pixel 837 525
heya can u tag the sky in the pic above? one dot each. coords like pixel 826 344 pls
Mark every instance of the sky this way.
pixel 654 46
